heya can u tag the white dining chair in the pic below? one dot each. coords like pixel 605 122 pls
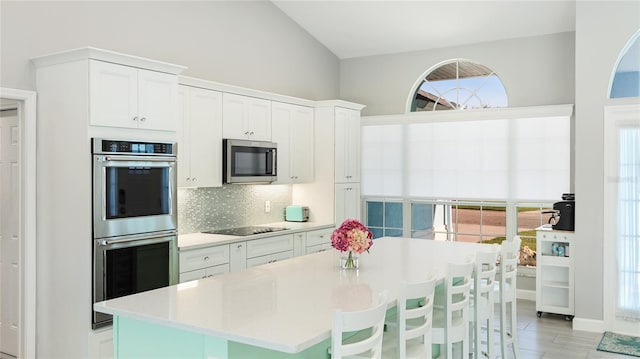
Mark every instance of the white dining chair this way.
pixel 505 295
pixel 368 326
pixel 451 322
pixel 482 302
pixel 412 322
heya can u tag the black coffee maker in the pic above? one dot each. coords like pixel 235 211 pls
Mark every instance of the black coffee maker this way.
pixel 564 213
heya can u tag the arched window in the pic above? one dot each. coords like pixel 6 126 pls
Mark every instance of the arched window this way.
pixel 626 78
pixel 459 85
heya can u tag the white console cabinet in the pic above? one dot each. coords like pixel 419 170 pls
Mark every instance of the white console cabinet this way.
pixel 124 96
pixel 554 272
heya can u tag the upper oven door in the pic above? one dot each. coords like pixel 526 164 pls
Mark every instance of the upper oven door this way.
pixel 133 194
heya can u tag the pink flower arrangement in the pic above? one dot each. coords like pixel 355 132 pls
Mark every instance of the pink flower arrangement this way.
pixel 352 236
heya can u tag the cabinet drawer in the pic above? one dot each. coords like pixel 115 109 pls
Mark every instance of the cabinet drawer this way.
pixel 555 236
pixel 320 236
pixel 319 248
pixel 204 273
pixel 269 245
pixel 203 257
pixel 252 262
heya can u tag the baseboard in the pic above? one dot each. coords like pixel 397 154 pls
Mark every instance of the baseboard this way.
pixel 588 325
pixel 526 294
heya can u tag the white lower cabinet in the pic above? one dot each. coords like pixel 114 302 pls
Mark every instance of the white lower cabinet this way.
pixel 269 250
pixel 204 262
pixel 319 248
pixel 270 258
pixel 204 273
pixel 217 259
pixel 318 240
pixel 101 343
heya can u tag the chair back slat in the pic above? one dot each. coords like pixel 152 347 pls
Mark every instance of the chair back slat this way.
pixel 422 293
pixel 371 318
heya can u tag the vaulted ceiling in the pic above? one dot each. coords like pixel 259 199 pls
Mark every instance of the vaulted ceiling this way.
pixel 355 28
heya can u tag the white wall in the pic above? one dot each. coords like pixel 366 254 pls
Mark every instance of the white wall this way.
pixel 250 44
pixel 602 30
pixel 244 43
pixel 534 70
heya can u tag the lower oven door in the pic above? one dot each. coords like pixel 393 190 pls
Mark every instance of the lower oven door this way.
pixel 132 264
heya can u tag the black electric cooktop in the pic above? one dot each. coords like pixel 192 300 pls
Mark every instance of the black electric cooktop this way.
pixel 246 231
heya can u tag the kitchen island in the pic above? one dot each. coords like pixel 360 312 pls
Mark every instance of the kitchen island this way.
pixel 280 310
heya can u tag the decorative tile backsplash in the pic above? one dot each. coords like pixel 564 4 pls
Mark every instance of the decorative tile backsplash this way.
pixel 203 209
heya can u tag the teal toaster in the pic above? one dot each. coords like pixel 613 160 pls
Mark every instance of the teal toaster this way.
pixel 296 214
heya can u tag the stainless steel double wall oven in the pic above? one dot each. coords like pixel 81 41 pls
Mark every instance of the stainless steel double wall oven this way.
pixel 134 219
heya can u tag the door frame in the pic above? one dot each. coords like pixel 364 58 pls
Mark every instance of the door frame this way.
pixel 616 113
pixel 27 226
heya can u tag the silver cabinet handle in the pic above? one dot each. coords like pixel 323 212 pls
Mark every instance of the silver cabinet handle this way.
pixel 143 119
pixel 206 258
pixel 239 245
pixel 135 118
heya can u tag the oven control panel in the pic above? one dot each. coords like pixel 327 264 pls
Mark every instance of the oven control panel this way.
pixel 103 146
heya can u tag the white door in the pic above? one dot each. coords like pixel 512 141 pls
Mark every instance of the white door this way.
pixel 9 234
pixel 622 219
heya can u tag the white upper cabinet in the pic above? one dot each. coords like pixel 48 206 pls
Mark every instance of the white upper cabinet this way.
pixel 347 145
pixel 199 137
pixel 246 117
pixel 292 130
pixel 123 96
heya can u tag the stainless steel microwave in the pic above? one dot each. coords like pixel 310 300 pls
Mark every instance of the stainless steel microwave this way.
pixel 246 161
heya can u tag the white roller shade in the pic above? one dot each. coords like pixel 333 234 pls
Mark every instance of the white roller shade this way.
pixel 499 155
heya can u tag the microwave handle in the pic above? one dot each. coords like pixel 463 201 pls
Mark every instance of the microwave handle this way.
pixel 273 159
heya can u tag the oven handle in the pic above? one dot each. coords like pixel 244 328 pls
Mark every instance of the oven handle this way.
pixel 106 242
pixel 137 158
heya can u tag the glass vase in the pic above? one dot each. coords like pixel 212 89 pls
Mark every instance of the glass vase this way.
pixel 349 260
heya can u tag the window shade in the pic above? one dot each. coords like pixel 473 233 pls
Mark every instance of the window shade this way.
pixel 524 158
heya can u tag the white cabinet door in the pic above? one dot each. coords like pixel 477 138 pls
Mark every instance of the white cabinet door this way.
pixel 292 130
pixel 123 96
pixel 302 145
pixel 200 138
pixel 269 245
pixel 203 257
pixel 101 343
pixel 271 258
pixel 347 145
pixel 113 91
pixel 237 256
pixel 281 134
pixel 347 202
pixel 299 243
pixel 204 273
pixel 157 100
pixel 246 117
pixel 259 119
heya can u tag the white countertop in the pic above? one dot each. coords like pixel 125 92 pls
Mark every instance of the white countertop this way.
pixel 198 240
pixel 288 305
